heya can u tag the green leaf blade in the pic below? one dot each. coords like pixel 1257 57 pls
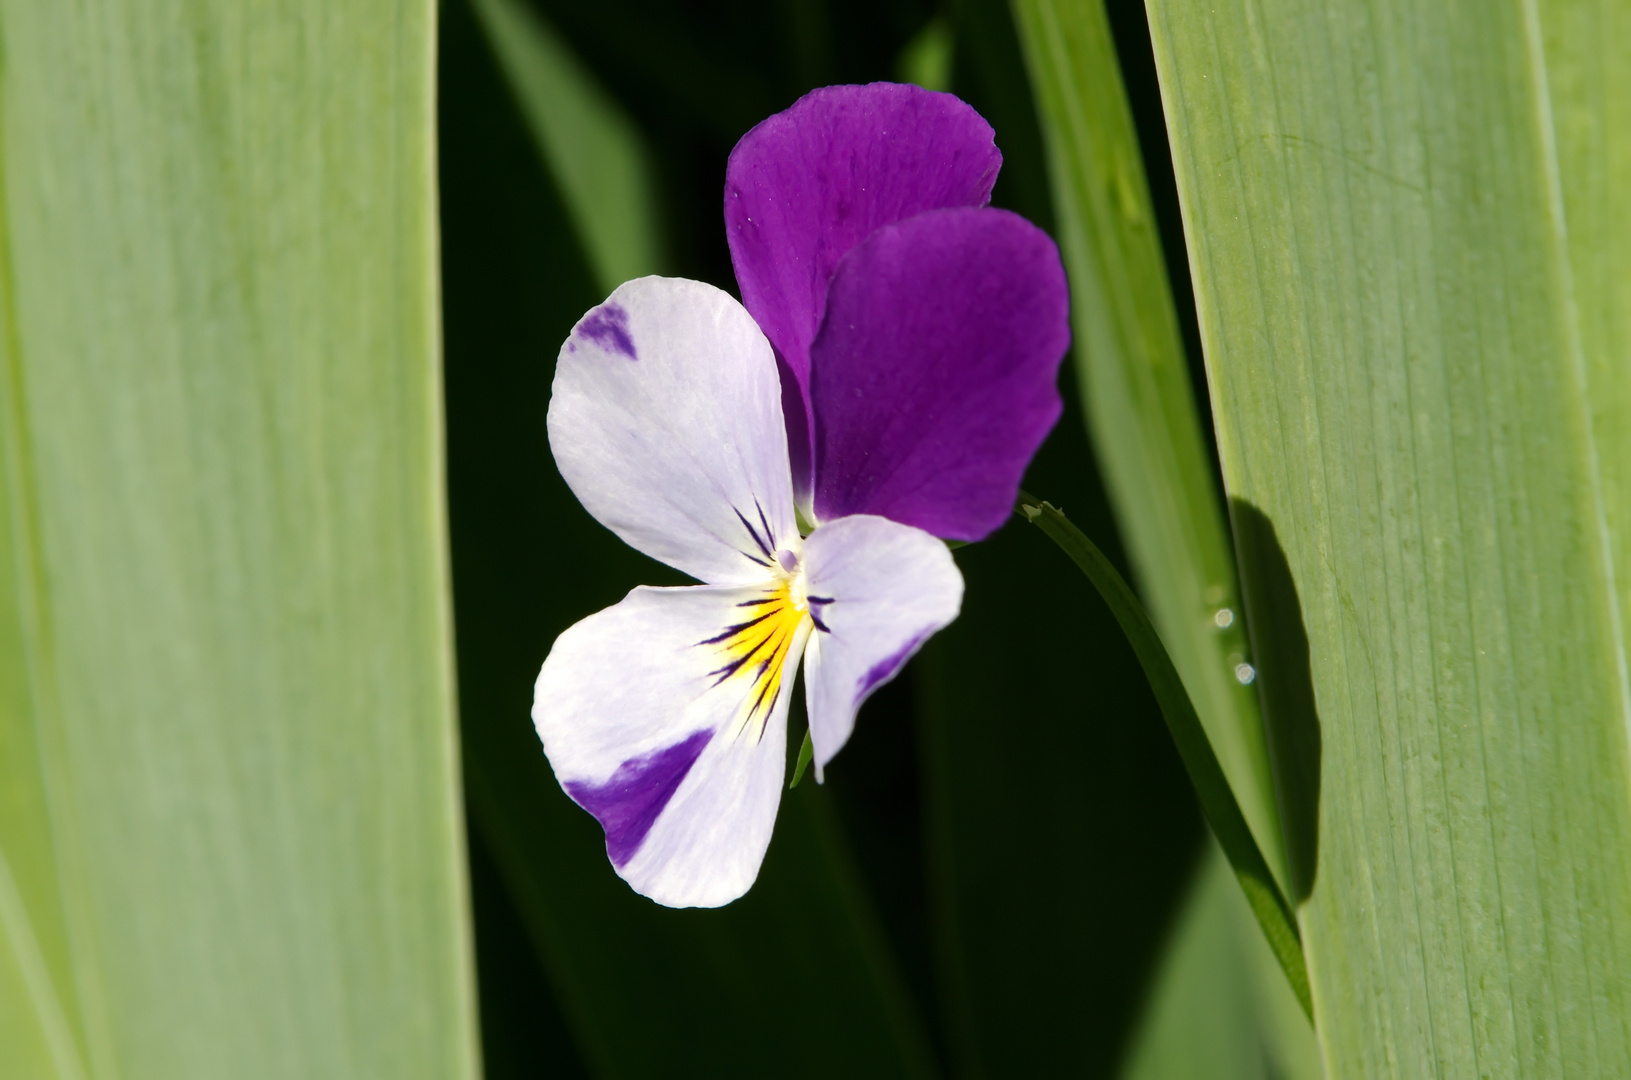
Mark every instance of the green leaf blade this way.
pixel 1135 387
pixel 228 594
pixel 1590 115
pixel 1372 200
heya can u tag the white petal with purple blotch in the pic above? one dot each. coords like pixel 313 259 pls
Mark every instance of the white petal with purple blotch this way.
pixel 665 716
pixel 877 591
pixel 666 421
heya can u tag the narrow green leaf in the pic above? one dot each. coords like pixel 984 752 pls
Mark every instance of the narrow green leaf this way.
pixel 230 822
pixel 1218 803
pixel 596 155
pixel 1396 213
pixel 1135 387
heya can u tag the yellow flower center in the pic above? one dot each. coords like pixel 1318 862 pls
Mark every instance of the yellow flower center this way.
pixel 754 650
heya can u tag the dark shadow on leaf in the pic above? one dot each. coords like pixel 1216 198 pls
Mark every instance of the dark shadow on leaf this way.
pixel 1274 617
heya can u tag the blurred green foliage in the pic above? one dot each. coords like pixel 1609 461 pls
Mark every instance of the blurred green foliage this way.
pixel 1220 1007
pixel 231 838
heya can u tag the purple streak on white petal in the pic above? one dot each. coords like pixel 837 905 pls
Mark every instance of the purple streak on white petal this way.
pixel 628 804
pixel 706 847
pixel 681 452
pixel 890 666
pixel 641 731
pixel 883 589
pixel 934 378
pixel 608 327
pixel 808 184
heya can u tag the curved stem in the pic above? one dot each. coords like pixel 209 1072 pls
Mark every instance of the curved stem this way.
pixel 1217 799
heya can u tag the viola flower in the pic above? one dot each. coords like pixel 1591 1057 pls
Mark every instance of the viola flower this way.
pixel 891 375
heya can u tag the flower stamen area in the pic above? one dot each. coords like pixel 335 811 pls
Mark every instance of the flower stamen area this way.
pixel 754 650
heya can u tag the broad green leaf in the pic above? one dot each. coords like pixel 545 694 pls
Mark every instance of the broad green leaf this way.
pixel 592 149
pixel 1414 379
pixel 794 979
pixel 1135 387
pixel 1220 1008
pixel 230 833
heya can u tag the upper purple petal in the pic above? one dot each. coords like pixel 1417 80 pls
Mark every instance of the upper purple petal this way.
pixel 808 184
pixel 934 377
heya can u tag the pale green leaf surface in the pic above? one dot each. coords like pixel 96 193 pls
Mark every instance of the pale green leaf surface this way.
pixel 593 150
pixel 1136 391
pixel 1220 1008
pixel 1386 283
pixel 39 1035
pixel 1587 44
pixel 229 813
pixel 34 1029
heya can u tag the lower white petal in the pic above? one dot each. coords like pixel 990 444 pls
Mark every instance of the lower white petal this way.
pixel 665 716
pixel 877 591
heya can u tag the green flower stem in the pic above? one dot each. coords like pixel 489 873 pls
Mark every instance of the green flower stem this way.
pixel 1217 800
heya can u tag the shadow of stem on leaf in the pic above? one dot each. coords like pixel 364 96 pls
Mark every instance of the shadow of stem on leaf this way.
pixel 1285 684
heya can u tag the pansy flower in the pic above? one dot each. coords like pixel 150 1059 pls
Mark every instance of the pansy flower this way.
pixel 890 376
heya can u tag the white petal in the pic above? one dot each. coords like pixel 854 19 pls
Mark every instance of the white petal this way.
pixel 877 590
pixel 665 716
pixel 666 421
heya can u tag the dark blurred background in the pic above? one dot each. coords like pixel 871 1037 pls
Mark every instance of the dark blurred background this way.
pixel 985 882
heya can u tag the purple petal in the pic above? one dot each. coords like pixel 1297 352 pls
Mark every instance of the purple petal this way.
pixel 628 804
pixel 933 380
pixel 808 184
